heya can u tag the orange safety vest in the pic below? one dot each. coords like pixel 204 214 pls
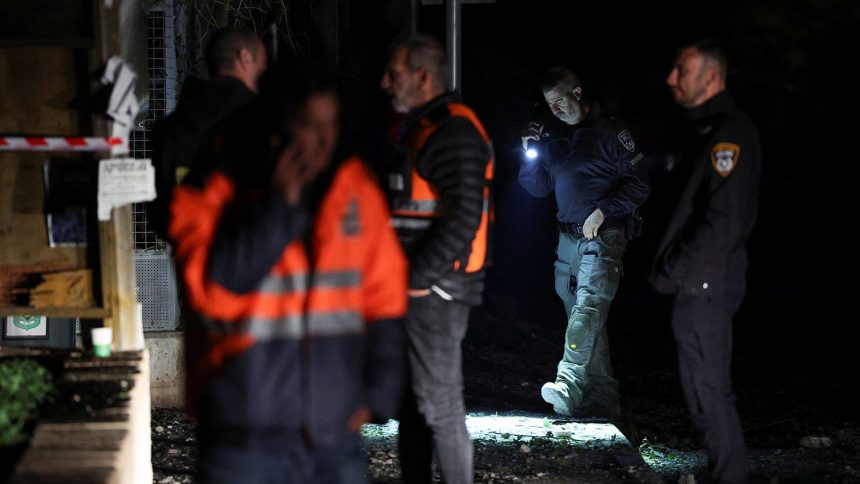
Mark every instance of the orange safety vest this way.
pixel 419 206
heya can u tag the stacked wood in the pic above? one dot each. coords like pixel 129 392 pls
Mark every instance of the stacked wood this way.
pixel 86 437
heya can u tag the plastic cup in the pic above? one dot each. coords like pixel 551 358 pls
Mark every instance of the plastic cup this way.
pixel 102 338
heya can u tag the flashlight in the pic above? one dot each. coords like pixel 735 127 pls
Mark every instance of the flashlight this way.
pixel 533 150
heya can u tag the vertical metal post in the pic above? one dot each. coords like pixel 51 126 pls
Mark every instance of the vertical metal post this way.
pixel 273 33
pixel 454 43
pixel 413 17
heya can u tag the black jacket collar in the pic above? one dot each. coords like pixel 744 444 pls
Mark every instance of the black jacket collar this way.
pixel 718 105
pixel 422 111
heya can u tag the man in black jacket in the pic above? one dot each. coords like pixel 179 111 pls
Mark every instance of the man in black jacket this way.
pixel 595 169
pixel 439 191
pixel 702 259
pixel 235 58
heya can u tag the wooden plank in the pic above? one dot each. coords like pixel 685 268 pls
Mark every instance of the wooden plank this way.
pixel 47 437
pixel 83 426
pixel 72 289
pixel 41 81
pixel 96 452
pixel 115 236
pixel 23 227
pixel 35 459
pixel 128 365
pixel 91 475
pixel 118 279
pixel 55 312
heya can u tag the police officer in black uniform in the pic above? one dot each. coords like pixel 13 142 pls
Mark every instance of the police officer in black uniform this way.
pixel 595 169
pixel 702 258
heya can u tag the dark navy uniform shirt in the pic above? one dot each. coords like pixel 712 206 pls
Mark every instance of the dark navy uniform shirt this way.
pixel 704 246
pixel 594 164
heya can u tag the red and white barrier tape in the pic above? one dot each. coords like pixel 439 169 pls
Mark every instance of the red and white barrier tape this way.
pixel 58 143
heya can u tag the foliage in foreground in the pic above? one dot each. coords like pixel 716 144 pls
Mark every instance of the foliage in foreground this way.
pixel 24 384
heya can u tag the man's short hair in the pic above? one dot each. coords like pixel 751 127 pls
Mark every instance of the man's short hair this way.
pixel 225 45
pixel 559 76
pixel 714 52
pixel 425 52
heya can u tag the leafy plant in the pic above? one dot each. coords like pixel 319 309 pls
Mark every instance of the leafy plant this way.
pixel 24 384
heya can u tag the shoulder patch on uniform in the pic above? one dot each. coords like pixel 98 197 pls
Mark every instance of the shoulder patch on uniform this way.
pixel 724 158
pixel 626 139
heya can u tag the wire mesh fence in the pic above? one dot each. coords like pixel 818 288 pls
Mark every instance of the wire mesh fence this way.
pixel 161 100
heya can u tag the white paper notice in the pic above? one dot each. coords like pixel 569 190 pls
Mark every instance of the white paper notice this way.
pixel 123 181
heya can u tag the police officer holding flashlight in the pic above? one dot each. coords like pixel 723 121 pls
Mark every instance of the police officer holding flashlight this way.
pixel 595 169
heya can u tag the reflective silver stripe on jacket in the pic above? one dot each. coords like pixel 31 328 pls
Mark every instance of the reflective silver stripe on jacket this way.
pixel 299 282
pixel 419 206
pixel 410 223
pixel 319 324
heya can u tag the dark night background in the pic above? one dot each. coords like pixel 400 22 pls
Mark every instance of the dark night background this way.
pixel 791 71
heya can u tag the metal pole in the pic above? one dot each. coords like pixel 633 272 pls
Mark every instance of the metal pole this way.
pixel 273 30
pixel 454 45
pixel 413 17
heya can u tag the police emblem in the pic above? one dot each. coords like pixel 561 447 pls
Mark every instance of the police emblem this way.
pixel 724 157
pixel 626 139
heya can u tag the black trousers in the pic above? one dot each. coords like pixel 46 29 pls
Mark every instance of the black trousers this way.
pixel 702 325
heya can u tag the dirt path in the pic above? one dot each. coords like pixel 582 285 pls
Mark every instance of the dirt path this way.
pixel 798 431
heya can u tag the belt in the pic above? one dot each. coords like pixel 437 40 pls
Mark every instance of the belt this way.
pixel 572 229
pixel 575 229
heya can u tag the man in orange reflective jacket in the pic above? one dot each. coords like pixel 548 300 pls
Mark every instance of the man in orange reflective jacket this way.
pixel 298 285
pixel 440 196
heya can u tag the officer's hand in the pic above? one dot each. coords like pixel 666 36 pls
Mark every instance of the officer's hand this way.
pixel 592 223
pixel 533 131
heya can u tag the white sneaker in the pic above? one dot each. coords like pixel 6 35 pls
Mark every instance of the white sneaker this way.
pixel 556 395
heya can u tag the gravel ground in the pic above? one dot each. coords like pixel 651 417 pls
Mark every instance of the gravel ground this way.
pixel 797 430
pixel 548 460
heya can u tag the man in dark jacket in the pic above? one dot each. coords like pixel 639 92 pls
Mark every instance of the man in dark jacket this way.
pixel 702 259
pixel 595 169
pixel 439 192
pixel 235 58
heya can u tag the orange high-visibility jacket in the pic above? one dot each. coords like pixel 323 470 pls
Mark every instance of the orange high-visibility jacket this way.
pixel 318 335
pixel 441 203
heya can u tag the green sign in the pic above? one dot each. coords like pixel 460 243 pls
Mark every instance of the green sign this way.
pixel 26 322
pixel 26 326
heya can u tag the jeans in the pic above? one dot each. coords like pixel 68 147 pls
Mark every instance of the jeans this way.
pixel 225 464
pixel 587 274
pixel 434 415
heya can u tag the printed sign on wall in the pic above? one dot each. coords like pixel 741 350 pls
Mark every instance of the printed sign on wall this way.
pixel 26 327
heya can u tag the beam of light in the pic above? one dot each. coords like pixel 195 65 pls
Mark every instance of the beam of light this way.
pixel 523 427
pixel 531 154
